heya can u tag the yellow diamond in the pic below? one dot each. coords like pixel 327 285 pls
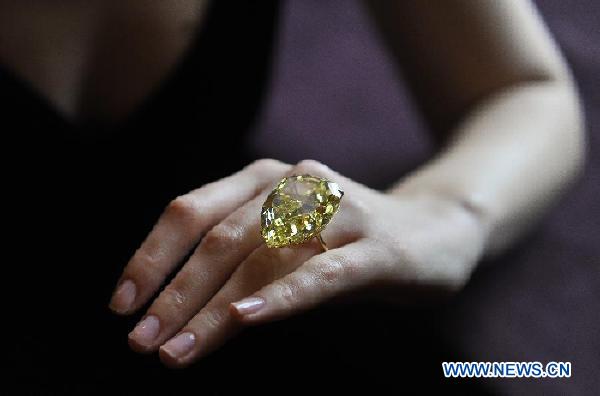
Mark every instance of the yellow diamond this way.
pixel 298 209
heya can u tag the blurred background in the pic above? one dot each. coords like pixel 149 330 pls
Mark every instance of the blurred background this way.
pixel 337 97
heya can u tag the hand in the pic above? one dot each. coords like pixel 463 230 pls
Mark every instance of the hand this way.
pixel 232 279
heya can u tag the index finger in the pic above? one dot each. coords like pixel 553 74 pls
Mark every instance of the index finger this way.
pixel 181 227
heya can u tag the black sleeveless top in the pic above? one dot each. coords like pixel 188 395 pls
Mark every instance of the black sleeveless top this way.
pixel 80 198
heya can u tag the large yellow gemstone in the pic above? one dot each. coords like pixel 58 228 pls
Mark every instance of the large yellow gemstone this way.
pixel 298 209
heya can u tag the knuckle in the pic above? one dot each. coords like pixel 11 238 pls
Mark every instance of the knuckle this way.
pixel 333 270
pixel 222 237
pixel 286 291
pixel 269 255
pixel 312 167
pixel 183 207
pixel 146 267
pixel 212 318
pixel 265 164
pixel 172 297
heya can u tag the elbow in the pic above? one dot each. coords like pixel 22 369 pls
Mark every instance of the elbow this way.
pixel 557 96
pixel 579 130
pixel 564 122
pixel 572 133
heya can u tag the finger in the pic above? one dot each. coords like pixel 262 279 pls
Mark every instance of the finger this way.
pixel 213 325
pixel 180 228
pixel 316 168
pixel 222 249
pixel 319 279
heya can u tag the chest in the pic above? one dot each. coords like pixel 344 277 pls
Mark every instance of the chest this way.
pixel 96 59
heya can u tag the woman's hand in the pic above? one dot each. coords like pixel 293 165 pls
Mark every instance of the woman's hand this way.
pixel 232 279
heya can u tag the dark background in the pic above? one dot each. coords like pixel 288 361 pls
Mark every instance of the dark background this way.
pixel 337 97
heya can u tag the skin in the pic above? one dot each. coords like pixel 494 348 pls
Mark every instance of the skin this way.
pixel 74 52
pixel 493 87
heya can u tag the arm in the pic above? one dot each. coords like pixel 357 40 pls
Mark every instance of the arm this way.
pixel 500 98
pixel 494 87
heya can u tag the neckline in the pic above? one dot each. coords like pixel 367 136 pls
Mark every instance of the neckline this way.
pixel 165 83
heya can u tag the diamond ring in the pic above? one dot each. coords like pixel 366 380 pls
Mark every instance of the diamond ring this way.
pixel 298 209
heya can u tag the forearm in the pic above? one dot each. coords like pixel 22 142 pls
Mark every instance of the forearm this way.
pixel 510 159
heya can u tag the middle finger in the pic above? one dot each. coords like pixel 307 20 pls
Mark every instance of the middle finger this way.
pixel 216 257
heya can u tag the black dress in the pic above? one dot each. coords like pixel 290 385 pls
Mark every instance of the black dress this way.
pixel 80 198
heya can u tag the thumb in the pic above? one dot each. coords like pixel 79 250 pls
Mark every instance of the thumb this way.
pixel 320 278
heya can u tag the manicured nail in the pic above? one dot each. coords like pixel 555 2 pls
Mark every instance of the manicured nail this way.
pixel 248 305
pixel 146 331
pixel 123 299
pixel 180 345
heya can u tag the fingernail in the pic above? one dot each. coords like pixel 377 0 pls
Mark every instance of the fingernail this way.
pixel 180 345
pixel 248 305
pixel 123 298
pixel 146 331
